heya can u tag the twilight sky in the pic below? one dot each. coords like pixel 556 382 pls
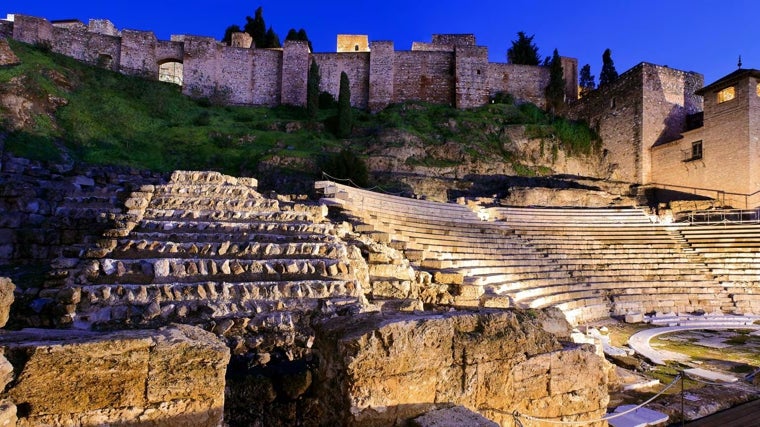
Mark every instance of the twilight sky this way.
pixel 697 35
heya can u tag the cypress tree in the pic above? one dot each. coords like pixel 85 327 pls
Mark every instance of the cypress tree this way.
pixel 312 90
pixel 523 50
pixel 555 90
pixel 586 81
pixel 344 107
pixel 271 40
pixel 608 74
pixel 256 28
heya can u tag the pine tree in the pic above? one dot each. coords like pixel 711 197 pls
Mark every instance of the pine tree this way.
pixel 608 74
pixel 523 50
pixel 345 121
pixel 555 90
pixel 227 39
pixel 312 90
pixel 256 28
pixel 586 81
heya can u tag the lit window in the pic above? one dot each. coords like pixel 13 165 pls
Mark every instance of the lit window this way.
pixel 696 150
pixel 726 94
pixel 758 89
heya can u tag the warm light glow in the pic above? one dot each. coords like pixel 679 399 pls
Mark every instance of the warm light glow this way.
pixel 726 94
pixel 170 72
pixel 757 89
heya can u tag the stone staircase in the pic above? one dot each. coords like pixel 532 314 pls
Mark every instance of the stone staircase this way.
pixel 208 249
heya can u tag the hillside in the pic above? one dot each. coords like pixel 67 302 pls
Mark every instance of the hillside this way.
pixel 56 108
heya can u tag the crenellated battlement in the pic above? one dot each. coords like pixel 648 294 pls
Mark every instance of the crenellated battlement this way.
pixel 452 69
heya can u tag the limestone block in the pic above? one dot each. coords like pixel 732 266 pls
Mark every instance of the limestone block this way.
pixel 456 416
pixel 174 375
pixel 445 278
pixel 6 299
pixel 8 416
pixel 406 363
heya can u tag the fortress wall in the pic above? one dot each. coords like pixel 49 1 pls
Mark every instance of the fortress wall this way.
pixel 138 54
pixel 570 74
pixel 267 77
pixel 199 66
pixel 424 76
pixel 668 97
pixel 295 72
pixel 355 65
pixel 6 29
pixel 524 82
pixel 234 78
pixel 102 26
pixel 431 47
pixel 169 50
pixel 615 111
pixel 92 48
pixel 459 40
pixel 471 76
pixel 29 29
pixel 381 75
pixel 754 142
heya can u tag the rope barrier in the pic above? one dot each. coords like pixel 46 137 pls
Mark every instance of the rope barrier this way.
pixel 705 382
pixel 518 415
pixel 348 180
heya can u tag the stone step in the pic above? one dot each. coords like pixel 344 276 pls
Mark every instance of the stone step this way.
pixel 130 248
pixel 166 270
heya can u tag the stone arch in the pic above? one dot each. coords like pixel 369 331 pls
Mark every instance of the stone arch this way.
pixel 170 70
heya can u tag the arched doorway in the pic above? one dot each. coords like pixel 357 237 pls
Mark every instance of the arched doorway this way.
pixel 170 71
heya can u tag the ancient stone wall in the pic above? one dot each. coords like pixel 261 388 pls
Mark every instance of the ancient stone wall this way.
pixel 424 76
pixel 444 71
pixel 138 54
pixel 6 29
pixel 92 48
pixel 471 76
pixel 357 68
pixel 381 75
pixel 524 82
pixel 295 72
pixel 174 375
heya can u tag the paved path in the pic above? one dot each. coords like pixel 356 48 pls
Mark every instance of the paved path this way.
pixel 640 341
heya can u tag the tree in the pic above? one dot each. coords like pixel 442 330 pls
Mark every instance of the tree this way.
pixel 271 40
pixel 523 50
pixel 312 90
pixel 586 80
pixel 228 33
pixel 256 28
pixel 345 121
pixel 555 90
pixel 608 74
pixel 347 165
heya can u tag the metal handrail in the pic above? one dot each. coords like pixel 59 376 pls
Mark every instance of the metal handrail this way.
pixel 720 216
pixel 750 199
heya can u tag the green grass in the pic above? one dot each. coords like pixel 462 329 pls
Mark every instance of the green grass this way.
pixel 110 118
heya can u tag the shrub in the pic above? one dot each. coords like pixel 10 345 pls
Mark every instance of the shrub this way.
pixel 346 165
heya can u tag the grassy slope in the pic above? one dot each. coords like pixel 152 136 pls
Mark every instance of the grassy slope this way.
pixel 115 119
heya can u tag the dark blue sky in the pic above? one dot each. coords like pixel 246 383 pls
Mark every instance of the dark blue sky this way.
pixel 698 35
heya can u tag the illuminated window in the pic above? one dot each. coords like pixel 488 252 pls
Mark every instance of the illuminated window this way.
pixel 726 94
pixel 696 150
pixel 758 89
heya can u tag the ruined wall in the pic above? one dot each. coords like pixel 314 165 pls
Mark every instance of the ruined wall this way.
pixel 267 77
pixel 295 72
pixel 357 68
pixel 424 76
pixel 471 76
pixel 570 74
pixel 525 82
pixel 199 66
pixel 138 54
pixel 92 48
pixel 451 70
pixel 381 75
pixel 615 111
